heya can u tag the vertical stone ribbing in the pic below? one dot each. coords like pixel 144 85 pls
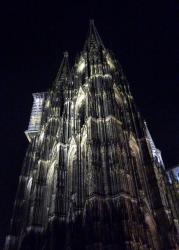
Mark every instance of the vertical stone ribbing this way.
pixel 89 179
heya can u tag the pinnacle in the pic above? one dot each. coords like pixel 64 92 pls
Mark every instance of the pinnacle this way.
pixel 64 70
pixel 149 137
pixel 93 38
pixel 65 54
pixel 91 21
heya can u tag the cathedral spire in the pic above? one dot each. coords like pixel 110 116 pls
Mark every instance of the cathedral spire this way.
pixel 93 38
pixel 149 138
pixel 156 152
pixel 64 70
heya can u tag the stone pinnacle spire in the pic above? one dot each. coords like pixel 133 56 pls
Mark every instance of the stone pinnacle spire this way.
pixel 64 70
pixel 93 39
pixel 155 151
pixel 153 147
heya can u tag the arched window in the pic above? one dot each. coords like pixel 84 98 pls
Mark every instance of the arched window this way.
pixel 72 170
pixel 49 189
pixel 82 114
pixel 80 109
pixel 153 231
pixel 29 185
pixel 28 193
pixel 136 161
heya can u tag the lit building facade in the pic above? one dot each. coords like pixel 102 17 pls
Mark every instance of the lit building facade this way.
pixel 92 177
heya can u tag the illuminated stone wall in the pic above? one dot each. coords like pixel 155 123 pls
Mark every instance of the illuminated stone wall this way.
pixel 92 177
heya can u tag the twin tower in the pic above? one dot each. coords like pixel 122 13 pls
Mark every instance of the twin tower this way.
pixel 92 178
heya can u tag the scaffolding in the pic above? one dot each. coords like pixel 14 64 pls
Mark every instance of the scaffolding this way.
pixel 36 114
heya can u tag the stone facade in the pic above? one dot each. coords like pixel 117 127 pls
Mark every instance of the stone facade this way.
pixel 92 177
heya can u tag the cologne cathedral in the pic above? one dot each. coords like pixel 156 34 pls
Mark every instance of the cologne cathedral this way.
pixel 92 178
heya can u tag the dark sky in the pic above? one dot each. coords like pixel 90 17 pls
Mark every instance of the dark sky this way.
pixel 144 36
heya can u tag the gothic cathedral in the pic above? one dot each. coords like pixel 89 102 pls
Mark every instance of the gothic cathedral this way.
pixel 92 178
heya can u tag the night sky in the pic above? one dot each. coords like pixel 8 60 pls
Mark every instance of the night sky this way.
pixel 144 36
